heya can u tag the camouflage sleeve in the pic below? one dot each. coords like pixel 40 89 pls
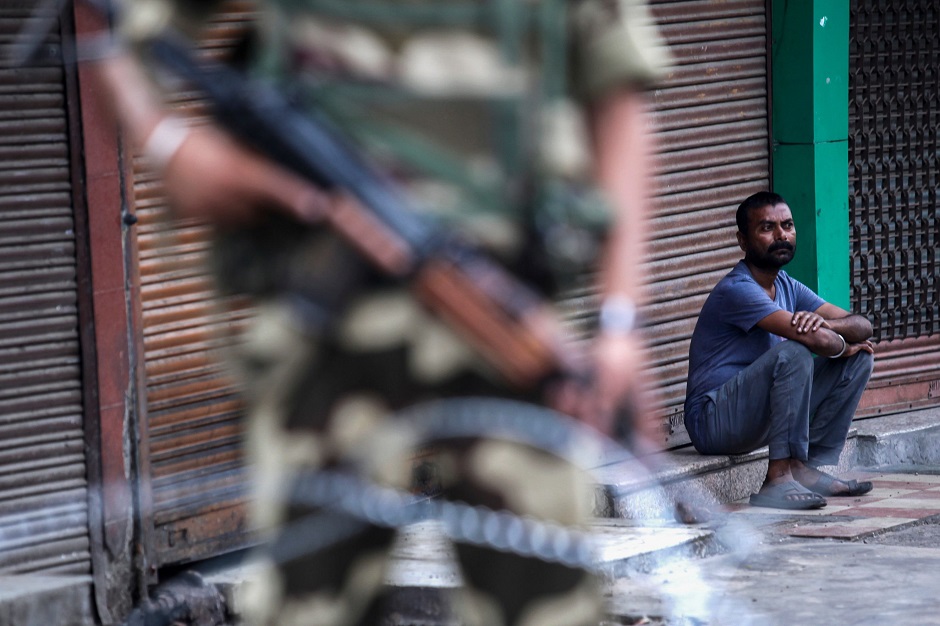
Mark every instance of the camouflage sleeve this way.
pixel 141 19
pixel 616 44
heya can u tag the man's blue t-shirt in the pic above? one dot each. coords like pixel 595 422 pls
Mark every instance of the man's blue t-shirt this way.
pixel 726 337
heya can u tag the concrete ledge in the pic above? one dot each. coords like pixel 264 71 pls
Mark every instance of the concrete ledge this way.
pixel 900 440
pixel 635 492
pixel 906 439
pixel 42 600
pixel 424 573
pixel 625 548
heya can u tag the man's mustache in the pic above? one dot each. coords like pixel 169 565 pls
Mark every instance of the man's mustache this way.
pixel 780 245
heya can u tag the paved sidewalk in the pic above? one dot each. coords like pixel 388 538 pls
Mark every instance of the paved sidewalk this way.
pixel 424 558
pixel 801 581
pixel 868 560
pixel 897 500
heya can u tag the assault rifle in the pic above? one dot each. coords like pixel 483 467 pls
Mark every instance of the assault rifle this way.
pixel 497 314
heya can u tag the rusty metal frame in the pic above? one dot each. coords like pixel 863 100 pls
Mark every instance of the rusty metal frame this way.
pixel 98 166
pixel 86 320
pixel 768 15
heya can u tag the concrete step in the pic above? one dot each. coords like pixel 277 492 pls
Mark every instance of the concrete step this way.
pixel 909 439
pixel 638 493
pixel 635 530
pixel 631 491
pixel 43 600
pixel 423 557
pixel 424 571
pixel 635 527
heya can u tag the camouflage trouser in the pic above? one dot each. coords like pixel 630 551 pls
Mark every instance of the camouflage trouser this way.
pixel 317 401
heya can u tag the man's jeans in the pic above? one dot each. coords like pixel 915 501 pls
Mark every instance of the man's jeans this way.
pixel 799 406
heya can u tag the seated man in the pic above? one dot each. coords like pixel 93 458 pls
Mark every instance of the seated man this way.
pixel 753 380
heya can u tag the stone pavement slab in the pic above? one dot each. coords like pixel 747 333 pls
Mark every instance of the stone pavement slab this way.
pixel 897 500
pixel 811 582
pixel 45 600
pixel 423 571
pixel 424 564
pixel 423 557
pixel 625 546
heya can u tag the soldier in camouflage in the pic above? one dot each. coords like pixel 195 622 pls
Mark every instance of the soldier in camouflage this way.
pixel 504 118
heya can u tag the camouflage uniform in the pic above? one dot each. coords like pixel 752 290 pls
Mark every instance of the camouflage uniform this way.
pixel 472 106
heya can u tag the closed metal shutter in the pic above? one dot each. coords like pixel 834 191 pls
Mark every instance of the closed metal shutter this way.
pixel 193 411
pixel 711 114
pixel 894 120
pixel 711 117
pixel 43 489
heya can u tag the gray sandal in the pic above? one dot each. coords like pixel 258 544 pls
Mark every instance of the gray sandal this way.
pixel 826 484
pixel 789 495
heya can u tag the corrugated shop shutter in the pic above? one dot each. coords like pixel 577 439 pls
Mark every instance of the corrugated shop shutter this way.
pixel 711 114
pixel 43 489
pixel 712 117
pixel 194 414
pixel 894 117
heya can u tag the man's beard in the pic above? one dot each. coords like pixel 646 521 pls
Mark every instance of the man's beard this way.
pixel 769 260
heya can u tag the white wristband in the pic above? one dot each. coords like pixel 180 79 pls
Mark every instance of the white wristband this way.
pixel 617 315
pixel 844 346
pixel 165 140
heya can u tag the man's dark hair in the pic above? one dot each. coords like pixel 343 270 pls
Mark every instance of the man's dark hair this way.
pixel 756 201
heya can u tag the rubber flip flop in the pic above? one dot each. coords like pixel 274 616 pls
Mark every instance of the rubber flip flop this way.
pixel 781 496
pixel 826 486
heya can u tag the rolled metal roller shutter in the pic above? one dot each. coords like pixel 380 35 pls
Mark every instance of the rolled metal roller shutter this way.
pixel 196 466
pixel 711 118
pixel 711 114
pixel 43 488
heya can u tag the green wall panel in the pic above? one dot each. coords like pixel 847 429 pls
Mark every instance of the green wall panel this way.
pixel 810 52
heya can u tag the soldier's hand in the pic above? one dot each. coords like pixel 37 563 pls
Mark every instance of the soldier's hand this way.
pixel 621 371
pixel 205 172
pixel 616 389
pixel 212 177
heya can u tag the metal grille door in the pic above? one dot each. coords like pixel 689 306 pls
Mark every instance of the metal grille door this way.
pixel 893 143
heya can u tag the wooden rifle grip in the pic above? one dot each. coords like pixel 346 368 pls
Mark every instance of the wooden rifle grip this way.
pixel 508 344
pixel 359 226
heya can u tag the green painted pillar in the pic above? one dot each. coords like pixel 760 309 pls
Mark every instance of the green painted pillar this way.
pixel 810 73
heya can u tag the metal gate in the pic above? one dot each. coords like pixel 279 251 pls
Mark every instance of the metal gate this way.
pixel 43 488
pixel 711 118
pixel 894 121
pixel 197 482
